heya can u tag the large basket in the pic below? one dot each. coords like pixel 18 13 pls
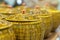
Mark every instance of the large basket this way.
pixel 56 18
pixel 6 32
pixel 47 20
pixel 29 30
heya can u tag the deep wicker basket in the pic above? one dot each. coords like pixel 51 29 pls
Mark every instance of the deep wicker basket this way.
pixel 29 30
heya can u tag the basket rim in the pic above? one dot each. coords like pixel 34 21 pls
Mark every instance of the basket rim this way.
pixel 6 26
pixel 26 22
pixel 55 11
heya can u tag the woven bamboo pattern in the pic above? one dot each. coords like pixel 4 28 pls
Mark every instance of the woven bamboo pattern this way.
pixel 29 30
pixel 47 20
pixel 56 19
pixel 2 16
pixel 6 32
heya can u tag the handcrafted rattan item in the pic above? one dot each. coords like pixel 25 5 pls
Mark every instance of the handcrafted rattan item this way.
pixel 48 24
pixel 47 20
pixel 6 32
pixel 56 18
pixel 28 29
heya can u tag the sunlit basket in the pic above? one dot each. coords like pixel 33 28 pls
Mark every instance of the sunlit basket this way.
pixel 29 30
pixel 56 18
pixel 6 32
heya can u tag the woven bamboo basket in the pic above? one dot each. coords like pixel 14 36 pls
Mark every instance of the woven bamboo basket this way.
pixel 46 18
pixel 56 18
pixel 28 30
pixel 6 32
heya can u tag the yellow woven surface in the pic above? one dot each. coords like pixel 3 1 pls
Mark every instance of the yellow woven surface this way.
pixel 29 30
pixel 56 18
pixel 7 34
pixel 2 16
pixel 47 20
pixel 5 24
